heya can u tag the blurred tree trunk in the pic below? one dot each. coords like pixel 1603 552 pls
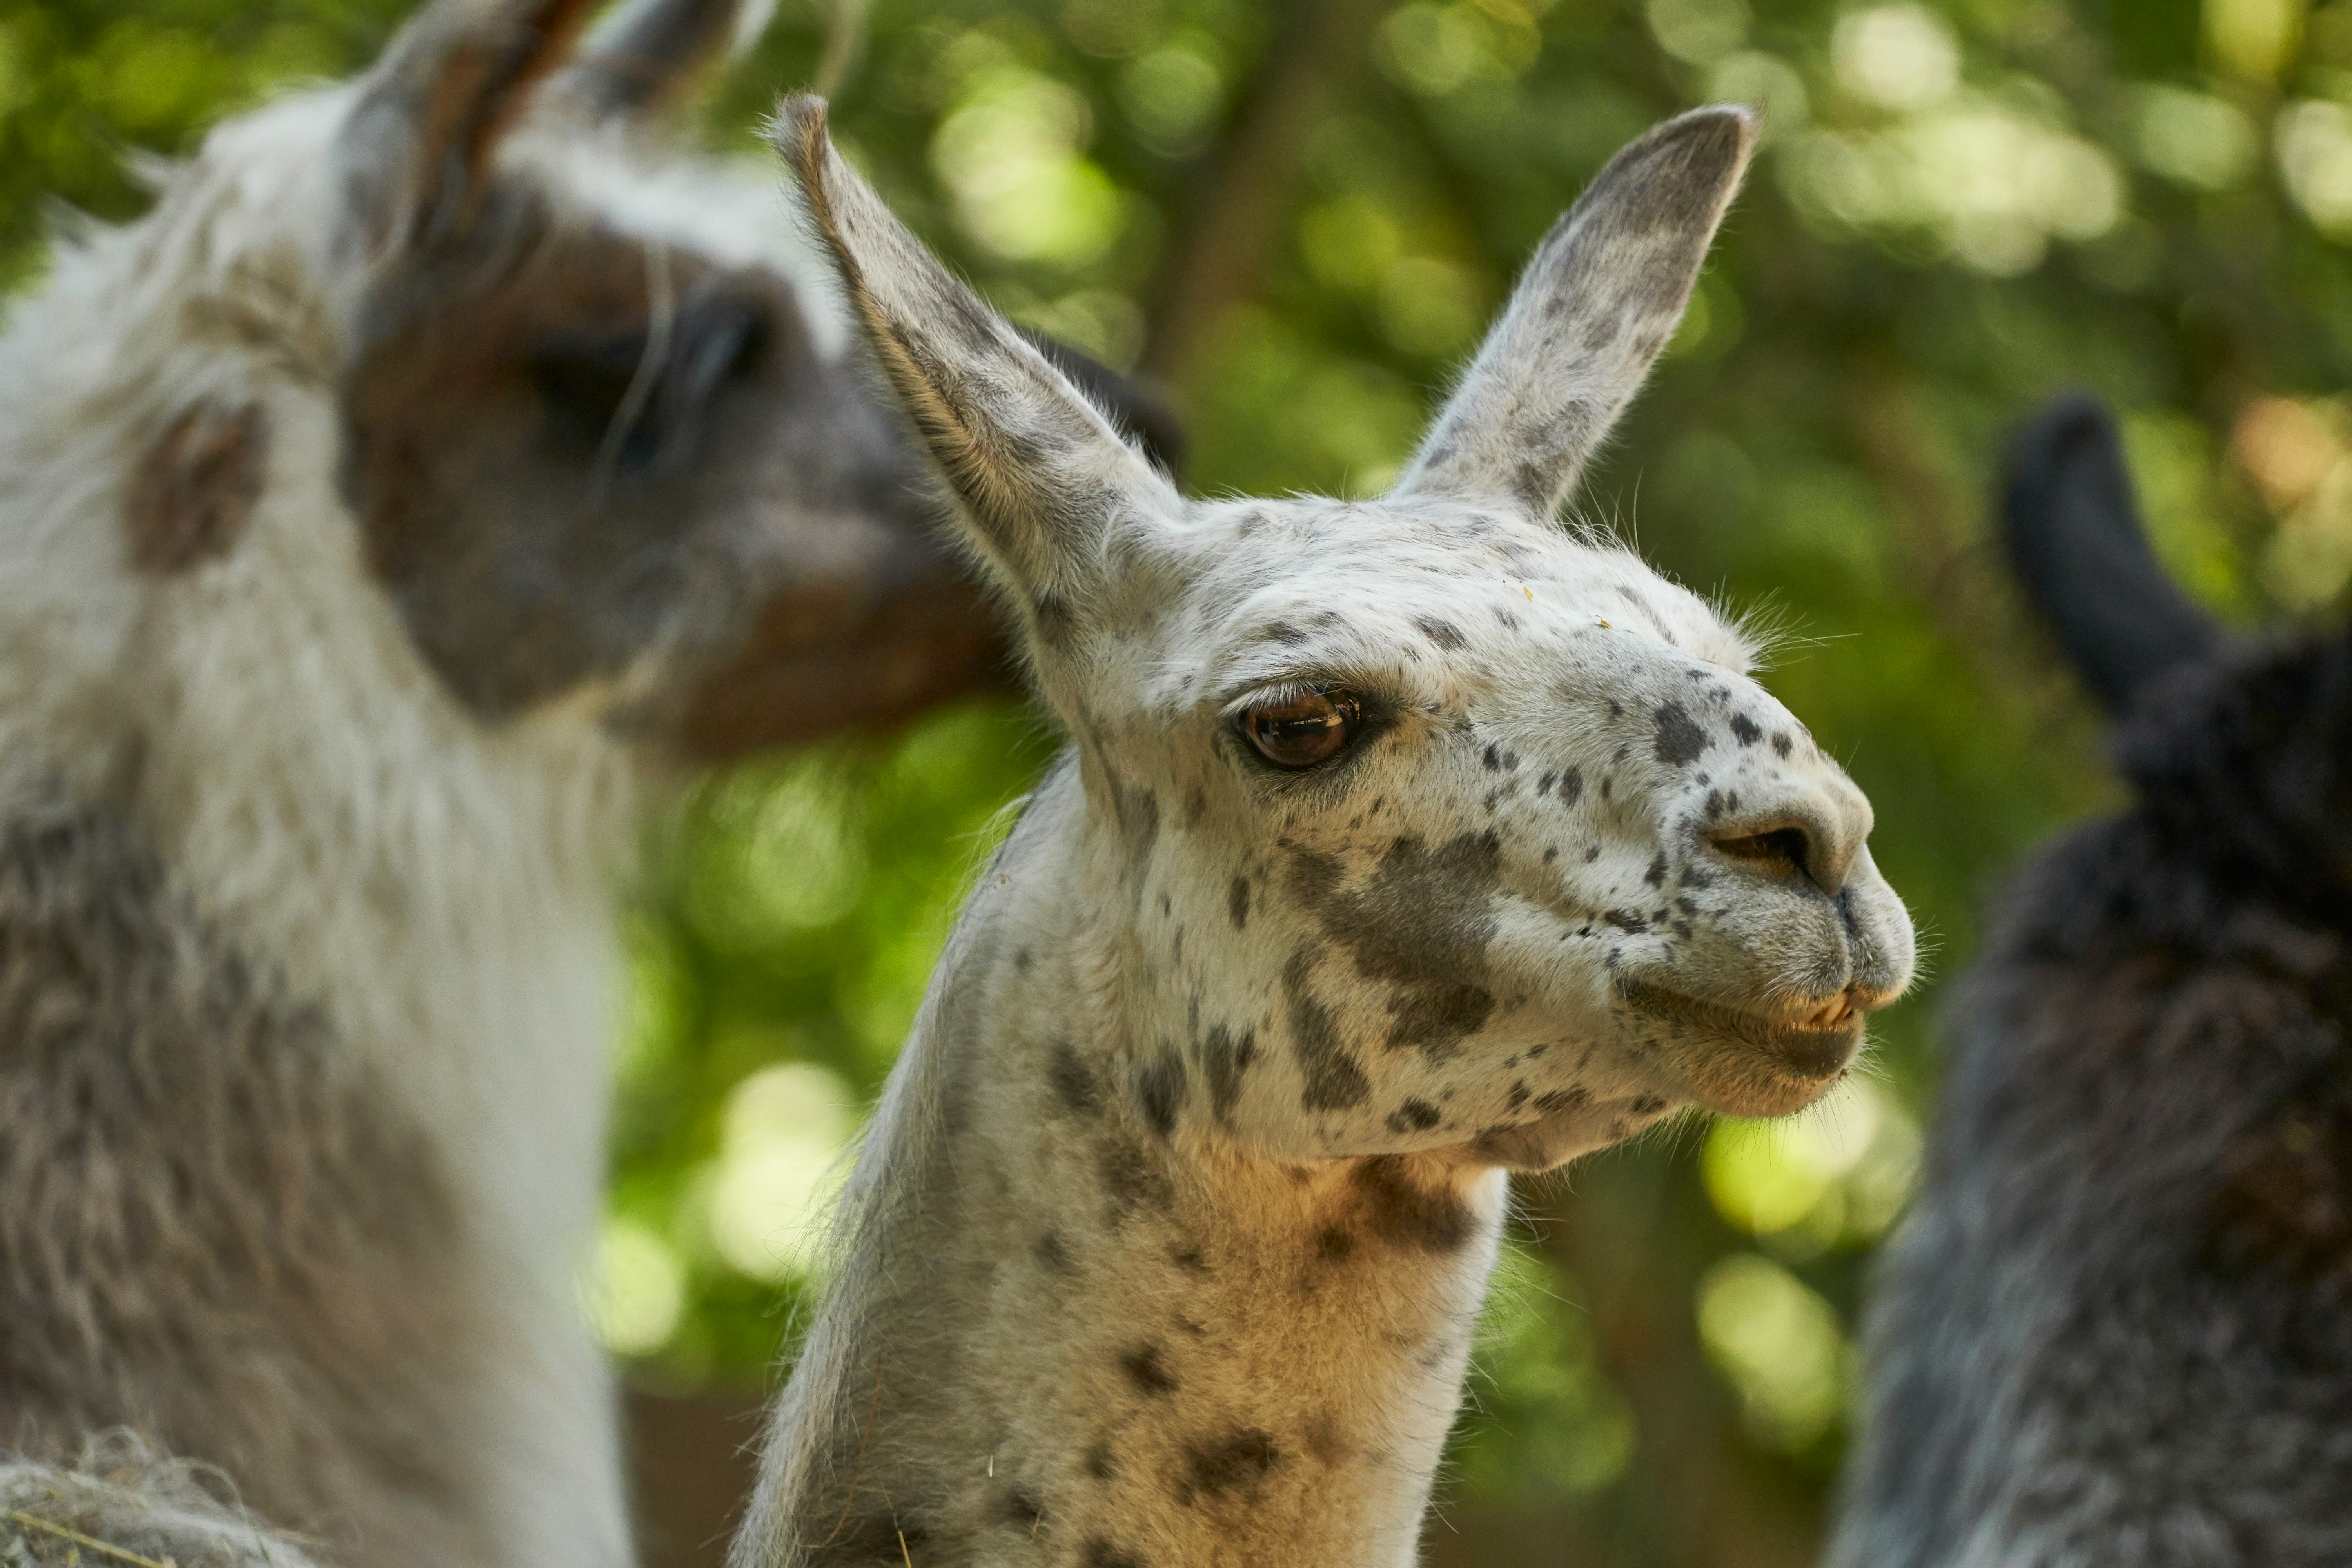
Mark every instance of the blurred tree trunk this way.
pixel 692 1462
pixel 1234 215
pixel 1635 1234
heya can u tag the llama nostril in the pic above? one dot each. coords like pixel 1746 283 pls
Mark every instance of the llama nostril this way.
pixel 1785 849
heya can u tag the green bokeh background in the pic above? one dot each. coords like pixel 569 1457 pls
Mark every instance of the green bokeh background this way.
pixel 1297 217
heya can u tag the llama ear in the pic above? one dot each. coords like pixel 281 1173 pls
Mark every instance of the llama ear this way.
pixel 2075 540
pixel 429 114
pixel 650 53
pixel 1590 314
pixel 1042 478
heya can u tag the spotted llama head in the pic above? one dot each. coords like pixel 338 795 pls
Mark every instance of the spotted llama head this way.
pixel 1421 822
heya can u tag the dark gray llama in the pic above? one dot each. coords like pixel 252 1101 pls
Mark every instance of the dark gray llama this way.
pixel 2118 1327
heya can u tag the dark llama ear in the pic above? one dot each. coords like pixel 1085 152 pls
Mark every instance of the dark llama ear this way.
pixel 1589 316
pixel 192 494
pixel 430 112
pixel 647 55
pixel 2076 542
pixel 1042 478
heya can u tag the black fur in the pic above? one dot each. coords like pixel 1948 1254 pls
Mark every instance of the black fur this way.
pixel 2118 1327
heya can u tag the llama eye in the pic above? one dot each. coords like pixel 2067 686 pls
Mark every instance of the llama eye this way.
pixel 1303 731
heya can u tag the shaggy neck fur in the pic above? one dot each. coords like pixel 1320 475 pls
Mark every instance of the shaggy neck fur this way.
pixel 1074 1323
pixel 436 893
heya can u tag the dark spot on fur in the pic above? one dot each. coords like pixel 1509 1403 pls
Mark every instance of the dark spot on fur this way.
pixel 1746 729
pixel 1160 1087
pixel 1780 744
pixel 1335 1243
pixel 1226 1059
pixel 1054 1253
pixel 1649 1105
pixel 1325 1442
pixel 1559 1099
pixel 1679 738
pixel 1020 1509
pixel 1405 1213
pixel 1491 759
pixel 190 497
pixel 1021 962
pixel 1190 1260
pixel 1285 633
pixel 1625 920
pixel 1073 1080
pixel 1097 1462
pixel 1132 1178
pixel 1101 1553
pixel 1422 923
pixel 1445 634
pixel 1414 1116
pixel 1196 806
pixel 1144 1369
pixel 1240 1459
pixel 1334 1080
pixel 1517 1097
pixel 1657 875
pixel 1237 902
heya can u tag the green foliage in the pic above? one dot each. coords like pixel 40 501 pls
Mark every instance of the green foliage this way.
pixel 1299 216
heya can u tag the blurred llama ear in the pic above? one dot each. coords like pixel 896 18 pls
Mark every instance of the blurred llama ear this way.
pixel 648 54
pixel 1589 316
pixel 2075 540
pixel 430 112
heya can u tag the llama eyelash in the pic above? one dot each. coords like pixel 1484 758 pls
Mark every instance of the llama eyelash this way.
pixel 1371 692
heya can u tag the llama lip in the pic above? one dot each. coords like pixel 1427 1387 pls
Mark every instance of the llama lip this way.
pixel 1815 1047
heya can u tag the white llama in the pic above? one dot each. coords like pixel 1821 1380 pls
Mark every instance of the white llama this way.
pixel 1398 845
pixel 438 449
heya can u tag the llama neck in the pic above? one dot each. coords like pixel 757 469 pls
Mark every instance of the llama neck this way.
pixel 1058 1335
pixel 434 901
